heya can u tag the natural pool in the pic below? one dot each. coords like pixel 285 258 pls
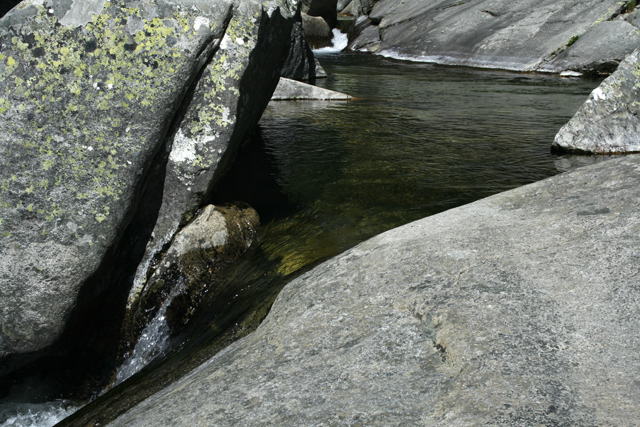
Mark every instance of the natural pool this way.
pixel 419 139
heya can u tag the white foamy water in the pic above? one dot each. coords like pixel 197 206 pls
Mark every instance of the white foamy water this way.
pixel 152 343
pixel 340 41
pixel 36 414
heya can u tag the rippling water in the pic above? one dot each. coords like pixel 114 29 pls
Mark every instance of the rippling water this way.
pixel 419 139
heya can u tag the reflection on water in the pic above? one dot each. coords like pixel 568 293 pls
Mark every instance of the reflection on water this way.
pixel 418 140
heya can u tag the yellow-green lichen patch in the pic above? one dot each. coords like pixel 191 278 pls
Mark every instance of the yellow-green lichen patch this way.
pixel 68 94
pixel 214 113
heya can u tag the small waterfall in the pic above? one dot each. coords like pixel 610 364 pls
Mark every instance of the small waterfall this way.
pixel 36 414
pixel 340 41
pixel 152 343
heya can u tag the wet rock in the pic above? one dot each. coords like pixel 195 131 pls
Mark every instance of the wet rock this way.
pixel 320 72
pixel 521 35
pixel 317 31
pixel 114 116
pixel 609 121
pixel 367 39
pixel 519 309
pixel 192 264
pixel 291 90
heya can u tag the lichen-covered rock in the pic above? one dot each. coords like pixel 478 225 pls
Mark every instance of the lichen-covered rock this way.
pixel 199 252
pixel 521 35
pixel 517 310
pixel 98 107
pixel 227 102
pixel 609 120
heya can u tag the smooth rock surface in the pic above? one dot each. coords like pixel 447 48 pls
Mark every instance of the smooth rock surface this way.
pixel 317 31
pixel 609 120
pixel 520 35
pixel 368 39
pixel 91 96
pixel 598 50
pixel 291 90
pixel 519 309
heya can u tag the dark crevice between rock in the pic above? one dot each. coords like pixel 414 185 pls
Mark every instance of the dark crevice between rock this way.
pixel 81 361
pixel 495 15
pixel 558 149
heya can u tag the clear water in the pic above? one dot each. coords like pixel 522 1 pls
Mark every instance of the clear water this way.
pixel 419 139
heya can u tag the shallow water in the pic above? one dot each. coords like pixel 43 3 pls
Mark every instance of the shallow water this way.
pixel 418 140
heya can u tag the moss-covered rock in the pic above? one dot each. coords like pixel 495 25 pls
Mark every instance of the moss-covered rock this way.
pixel 104 107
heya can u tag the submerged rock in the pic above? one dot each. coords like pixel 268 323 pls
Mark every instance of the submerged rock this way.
pixel 114 115
pixel 291 90
pixel 519 309
pixel 609 121
pixel 521 35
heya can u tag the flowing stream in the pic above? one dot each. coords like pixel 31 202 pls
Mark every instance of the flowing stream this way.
pixel 417 140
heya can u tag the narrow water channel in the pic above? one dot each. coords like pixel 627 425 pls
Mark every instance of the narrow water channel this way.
pixel 417 140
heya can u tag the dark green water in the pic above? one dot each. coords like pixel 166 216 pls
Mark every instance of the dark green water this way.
pixel 418 140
